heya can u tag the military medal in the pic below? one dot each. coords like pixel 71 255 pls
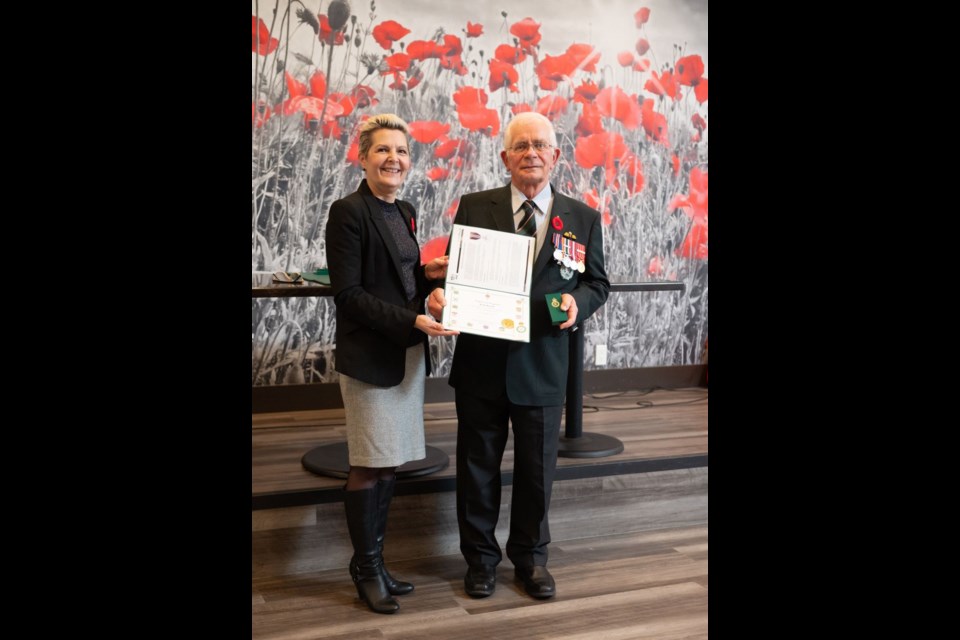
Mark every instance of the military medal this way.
pixel 569 254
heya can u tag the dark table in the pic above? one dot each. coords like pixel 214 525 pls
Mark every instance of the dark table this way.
pixel 331 459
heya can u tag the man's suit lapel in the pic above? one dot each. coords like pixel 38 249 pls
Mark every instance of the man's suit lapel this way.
pixel 501 208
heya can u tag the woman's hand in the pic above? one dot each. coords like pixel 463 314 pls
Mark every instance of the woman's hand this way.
pixel 436 269
pixel 433 328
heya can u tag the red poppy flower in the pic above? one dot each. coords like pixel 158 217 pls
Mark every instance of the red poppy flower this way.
pixel 467 96
pixel 552 106
pixel 642 46
pixel 675 161
pixel 614 103
pixel 502 75
pixel 520 108
pixel 689 69
pixel 695 203
pixel 698 122
pixel 398 81
pixel 331 129
pixel 312 107
pixel 641 16
pixel 318 84
pixel 590 121
pixel 654 123
pixel 427 131
pixel 556 68
pixel 434 248
pixel 625 58
pixel 643 64
pixel 388 32
pixel 454 64
pixel 415 79
pixel 423 50
pixel 397 62
pixel 662 85
pixel 528 32
pixel 700 91
pixel 694 244
pixel 294 86
pixel 451 211
pixel 346 102
pixel 632 167
pixel 592 198
pixel 452 47
pixel 353 154
pixel 509 54
pixel 583 56
pixel 599 150
pixel 438 173
pixel 327 34
pixel 476 118
pixel 448 148
pixel 474 30
pixel 586 92
pixel 557 223
pixel 364 96
pixel 262 42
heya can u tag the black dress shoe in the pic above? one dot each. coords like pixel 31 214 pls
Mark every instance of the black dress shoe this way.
pixel 480 581
pixel 537 581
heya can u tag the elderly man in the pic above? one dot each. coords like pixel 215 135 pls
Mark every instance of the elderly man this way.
pixel 499 381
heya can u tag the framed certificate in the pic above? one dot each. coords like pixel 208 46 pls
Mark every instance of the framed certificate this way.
pixel 488 283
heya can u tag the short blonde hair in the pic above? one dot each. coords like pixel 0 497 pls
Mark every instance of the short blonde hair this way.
pixel 375 123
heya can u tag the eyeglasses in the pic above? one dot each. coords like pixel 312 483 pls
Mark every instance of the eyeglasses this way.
pixel 539 146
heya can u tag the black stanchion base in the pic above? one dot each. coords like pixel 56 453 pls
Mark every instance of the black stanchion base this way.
pixel 589 445
pixel 332 460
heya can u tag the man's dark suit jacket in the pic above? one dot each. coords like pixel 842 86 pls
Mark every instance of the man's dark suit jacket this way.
pixel 534 373
pixel 374 321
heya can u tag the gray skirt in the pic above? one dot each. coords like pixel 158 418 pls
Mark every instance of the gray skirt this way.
pixel 385 424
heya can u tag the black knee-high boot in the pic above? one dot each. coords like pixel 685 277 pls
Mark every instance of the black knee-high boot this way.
pixel 362 509
pixel 395 587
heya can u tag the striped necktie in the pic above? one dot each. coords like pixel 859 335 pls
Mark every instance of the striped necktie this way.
pixel 528 225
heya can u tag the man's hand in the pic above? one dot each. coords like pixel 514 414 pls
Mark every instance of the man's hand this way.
pixel 436 302
pixel 436 269
pixel 568 304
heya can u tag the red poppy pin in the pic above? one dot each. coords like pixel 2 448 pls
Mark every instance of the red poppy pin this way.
pixel 557 223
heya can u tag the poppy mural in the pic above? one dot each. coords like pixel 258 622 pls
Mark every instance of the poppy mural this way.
pixel 624 83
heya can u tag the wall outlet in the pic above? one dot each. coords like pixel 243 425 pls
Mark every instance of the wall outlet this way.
pixel 601 356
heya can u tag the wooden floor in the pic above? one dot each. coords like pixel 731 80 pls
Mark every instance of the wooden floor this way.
pixel 665 427
pixel 629 586
pixel 613 580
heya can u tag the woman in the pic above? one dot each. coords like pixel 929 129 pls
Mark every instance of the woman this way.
pixel 382 354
